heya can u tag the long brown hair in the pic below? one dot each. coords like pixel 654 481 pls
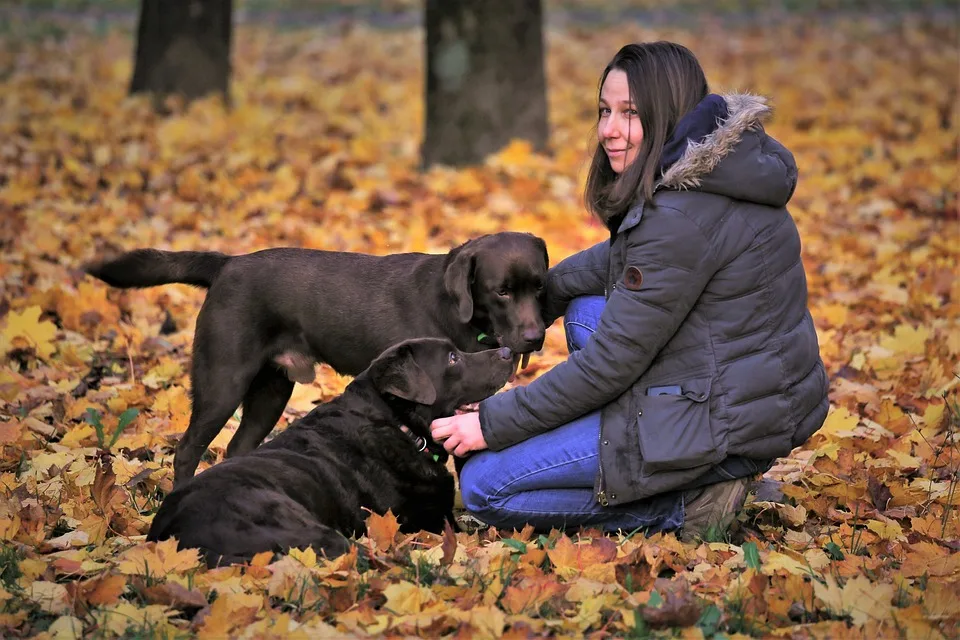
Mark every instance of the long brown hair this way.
pixel 666 82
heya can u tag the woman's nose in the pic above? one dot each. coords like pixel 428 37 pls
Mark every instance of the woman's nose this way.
pixel 609 128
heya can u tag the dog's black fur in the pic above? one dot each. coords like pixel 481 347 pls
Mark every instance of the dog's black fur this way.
pixel 270 315
pixel 310 484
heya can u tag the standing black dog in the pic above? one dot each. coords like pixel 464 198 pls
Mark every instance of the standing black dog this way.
pixel 270 315
pixel 309 485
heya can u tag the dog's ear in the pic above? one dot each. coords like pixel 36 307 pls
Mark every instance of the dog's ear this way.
pixel 543 249
pixel 400 375
pixel 458 280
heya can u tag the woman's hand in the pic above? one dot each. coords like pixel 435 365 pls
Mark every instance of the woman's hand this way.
pixel 459 434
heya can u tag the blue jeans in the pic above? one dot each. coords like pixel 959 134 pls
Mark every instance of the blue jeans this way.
pixel 548 480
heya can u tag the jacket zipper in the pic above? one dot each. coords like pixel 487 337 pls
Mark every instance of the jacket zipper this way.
pixel 602 494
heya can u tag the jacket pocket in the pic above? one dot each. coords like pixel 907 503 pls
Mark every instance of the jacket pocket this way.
pixel 675 431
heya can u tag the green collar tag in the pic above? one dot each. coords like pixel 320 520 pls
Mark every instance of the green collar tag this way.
pixel 482 337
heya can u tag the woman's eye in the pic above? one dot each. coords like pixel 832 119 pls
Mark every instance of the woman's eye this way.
pixel 633 113
pixel 453 358
pixel 604 111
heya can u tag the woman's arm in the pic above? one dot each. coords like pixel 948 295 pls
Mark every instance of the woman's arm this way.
pixel 583 273
pixel 676 262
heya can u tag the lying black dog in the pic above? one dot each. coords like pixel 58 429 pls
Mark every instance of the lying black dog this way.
pixel 310 484
pixel 270 315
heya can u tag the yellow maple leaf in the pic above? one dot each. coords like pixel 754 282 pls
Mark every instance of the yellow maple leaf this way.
pixel 124 616
pixel 25 328
pixel 487 620
pixel 307 557
pixel 887 529
pixel 839 423
pixel 859 598
pixel 78 435
pixel 834 314
pixel 229 611
pixel 167 371
pixel 158 559
pixel 906 340
pixel 174 402
pixel 776 561
pixel 406 598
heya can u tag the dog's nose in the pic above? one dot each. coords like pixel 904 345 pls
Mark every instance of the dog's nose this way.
pixel 505 353
pixel 532 336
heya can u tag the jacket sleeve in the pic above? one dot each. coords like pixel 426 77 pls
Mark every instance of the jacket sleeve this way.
pixel 676 262
pixel 583 273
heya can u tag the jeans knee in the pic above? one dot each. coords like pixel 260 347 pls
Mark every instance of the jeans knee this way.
pixel 581 320
pixel 476 499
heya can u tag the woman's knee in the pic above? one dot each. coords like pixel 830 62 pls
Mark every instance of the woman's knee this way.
pixel 581 320
pixel 474 493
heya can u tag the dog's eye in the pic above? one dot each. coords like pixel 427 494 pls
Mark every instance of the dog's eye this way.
pixel 453 358
pixel 503 292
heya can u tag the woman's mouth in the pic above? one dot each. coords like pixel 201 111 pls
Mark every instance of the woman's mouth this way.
pixel 616 153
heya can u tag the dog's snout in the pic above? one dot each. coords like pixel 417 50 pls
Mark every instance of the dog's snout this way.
pixel 532 335
pixel 505 353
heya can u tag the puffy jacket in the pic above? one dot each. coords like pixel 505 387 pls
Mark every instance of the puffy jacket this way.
pixel 706 291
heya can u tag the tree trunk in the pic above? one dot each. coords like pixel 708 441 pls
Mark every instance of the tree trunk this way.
pixel 183 47
pixel 485 80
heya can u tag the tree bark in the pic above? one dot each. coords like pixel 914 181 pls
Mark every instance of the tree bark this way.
pixel 485 81
pixel 183 48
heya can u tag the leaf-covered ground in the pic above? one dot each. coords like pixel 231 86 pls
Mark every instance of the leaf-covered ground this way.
pixel 321 151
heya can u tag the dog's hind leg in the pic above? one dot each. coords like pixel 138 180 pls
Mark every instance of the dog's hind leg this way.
pixel 226 359
pixel 263 405
pixel 211 410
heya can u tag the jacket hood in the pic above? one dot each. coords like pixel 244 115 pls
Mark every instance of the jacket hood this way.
pixel 737 159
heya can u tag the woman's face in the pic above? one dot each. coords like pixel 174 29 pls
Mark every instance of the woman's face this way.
pixel 619 129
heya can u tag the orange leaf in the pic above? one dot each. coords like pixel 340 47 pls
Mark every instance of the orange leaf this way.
pixel 571 559
pixel 105 589
pixel 382 529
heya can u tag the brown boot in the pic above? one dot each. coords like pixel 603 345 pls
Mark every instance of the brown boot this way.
pixel 709 514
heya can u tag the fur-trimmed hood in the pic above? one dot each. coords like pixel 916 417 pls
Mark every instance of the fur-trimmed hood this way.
pixel 738 159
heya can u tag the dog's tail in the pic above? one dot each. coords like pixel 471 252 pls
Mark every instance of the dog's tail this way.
pixel 152 267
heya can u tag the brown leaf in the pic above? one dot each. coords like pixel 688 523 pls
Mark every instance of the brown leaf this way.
pixel 879 493
pixel 104 487
pixel 633 573
pixel 449 545
pixel 680 607
pixel 175 595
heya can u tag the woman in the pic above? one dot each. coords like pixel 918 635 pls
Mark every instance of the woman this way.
pixel 694 360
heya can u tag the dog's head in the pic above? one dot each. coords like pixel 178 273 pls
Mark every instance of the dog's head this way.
pixel 433 374
pixel 497 282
